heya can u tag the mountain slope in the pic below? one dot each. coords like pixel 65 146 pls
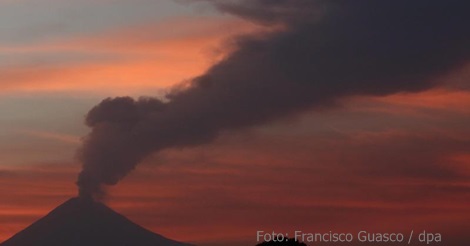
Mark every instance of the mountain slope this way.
pixel 81 222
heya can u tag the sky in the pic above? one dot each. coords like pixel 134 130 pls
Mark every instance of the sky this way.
pixel 390 161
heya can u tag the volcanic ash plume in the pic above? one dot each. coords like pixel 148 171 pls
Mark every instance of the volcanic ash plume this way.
pixel 325 51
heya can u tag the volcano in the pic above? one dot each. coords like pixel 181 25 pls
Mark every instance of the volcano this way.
pixel 84 222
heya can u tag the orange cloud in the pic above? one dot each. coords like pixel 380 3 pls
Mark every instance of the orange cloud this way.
pixel 439 99
pixel 60 137
pixel 134 59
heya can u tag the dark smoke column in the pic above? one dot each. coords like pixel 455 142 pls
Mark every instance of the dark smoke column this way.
pixel 327 50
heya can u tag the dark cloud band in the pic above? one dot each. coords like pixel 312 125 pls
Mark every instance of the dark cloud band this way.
pixel 325 50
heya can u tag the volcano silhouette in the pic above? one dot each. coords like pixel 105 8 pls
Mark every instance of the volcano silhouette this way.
pixel 83 222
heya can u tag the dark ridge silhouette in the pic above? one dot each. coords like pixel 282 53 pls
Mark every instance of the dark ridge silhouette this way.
pixel 83 222
pixel 288 242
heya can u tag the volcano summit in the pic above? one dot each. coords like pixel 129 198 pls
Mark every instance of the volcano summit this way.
pixel 84 222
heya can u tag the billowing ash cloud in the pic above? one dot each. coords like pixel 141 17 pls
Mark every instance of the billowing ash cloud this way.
pixel 325 51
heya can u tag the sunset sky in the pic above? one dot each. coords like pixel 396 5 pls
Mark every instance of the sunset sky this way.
pixel 391 162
